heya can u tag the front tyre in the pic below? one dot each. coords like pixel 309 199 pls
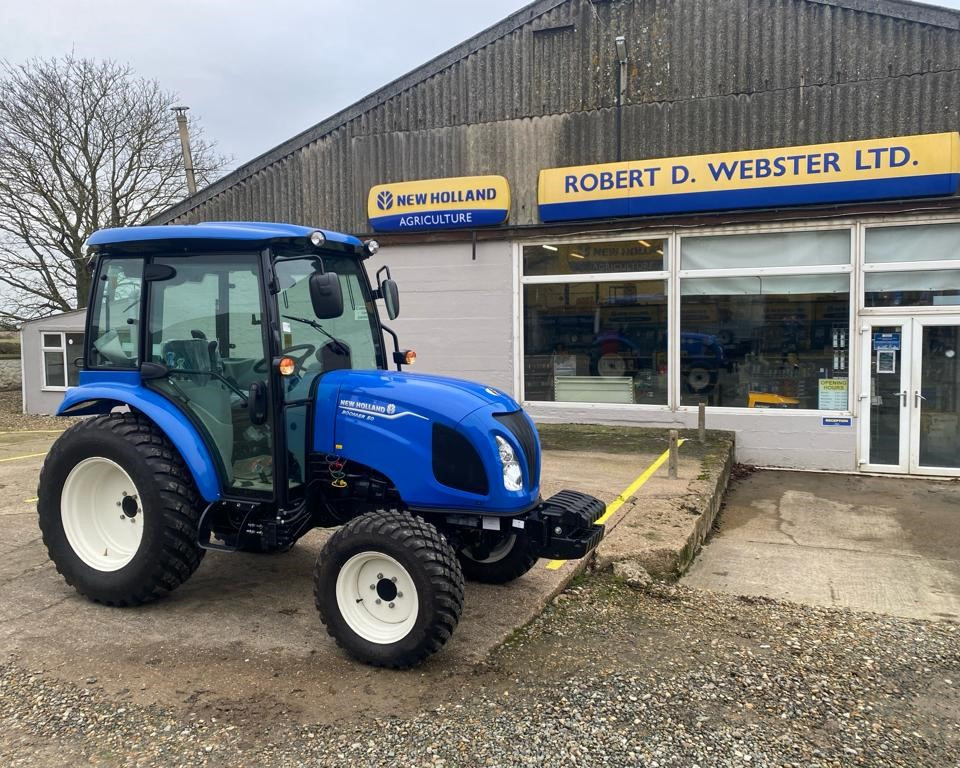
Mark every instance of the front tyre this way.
pixel 389 589
pixel 506 559
pixel 118 510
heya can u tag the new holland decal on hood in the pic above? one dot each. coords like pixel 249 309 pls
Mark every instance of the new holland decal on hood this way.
pixel 369 411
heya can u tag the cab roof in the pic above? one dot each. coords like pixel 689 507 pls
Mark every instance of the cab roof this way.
pixel 238 231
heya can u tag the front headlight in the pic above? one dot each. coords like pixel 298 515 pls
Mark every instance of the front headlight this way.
pixel 512 476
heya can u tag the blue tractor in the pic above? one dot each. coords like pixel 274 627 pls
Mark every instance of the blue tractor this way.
pixel 240 395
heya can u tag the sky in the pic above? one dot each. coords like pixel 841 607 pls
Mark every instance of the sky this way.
pixel 254 73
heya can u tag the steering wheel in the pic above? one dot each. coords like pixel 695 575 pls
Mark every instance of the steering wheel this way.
pixel 306 350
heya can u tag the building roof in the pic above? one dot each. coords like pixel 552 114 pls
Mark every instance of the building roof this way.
pixel 214 230
pixel 55 321
pixel 514 71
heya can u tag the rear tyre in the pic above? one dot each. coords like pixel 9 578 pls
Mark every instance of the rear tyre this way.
pixel 389 589
pixel 118 510
pixel 506 560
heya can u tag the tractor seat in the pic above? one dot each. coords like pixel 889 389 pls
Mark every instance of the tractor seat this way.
pixel 187 354
pixel 333 356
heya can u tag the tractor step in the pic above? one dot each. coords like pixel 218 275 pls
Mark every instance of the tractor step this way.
pixel 229 526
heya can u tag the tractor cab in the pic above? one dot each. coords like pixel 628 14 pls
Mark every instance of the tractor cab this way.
pixel 241 394
pixel 235 333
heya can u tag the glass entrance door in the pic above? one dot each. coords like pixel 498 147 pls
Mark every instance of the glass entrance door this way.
pixel 884 396
pixel 935 397
pixel 910 395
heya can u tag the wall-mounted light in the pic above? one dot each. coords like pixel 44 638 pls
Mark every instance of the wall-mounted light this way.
pixel 644 243
pixel 621 42
pixel 576 256
pixel 550 247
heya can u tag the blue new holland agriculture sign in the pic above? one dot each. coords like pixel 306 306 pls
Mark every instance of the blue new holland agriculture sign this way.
pixel 457 203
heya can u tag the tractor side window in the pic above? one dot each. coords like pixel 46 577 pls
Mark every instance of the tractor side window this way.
pixel 114 328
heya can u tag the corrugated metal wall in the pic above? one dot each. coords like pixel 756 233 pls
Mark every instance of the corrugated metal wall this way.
pixel 539 90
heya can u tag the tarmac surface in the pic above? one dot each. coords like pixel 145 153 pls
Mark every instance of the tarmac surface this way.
pixel 881 544
pixel 243 635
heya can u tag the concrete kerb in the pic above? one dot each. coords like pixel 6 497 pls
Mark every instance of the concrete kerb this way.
pixel 664 527
pixel 663 535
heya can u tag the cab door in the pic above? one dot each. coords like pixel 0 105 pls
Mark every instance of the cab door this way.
pixel 205 324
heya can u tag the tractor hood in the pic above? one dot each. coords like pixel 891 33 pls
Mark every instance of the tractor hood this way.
pixel 427 434
pixel 391 393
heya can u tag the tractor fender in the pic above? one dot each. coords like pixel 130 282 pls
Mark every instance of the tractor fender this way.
pixel 104 397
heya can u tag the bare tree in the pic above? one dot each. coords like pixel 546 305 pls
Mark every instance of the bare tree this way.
pixel 84 144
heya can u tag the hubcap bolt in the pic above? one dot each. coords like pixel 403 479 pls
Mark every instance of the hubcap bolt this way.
pixel 378 601
pixel 399 594
pixel 390 606
pixel 393 579
pixel 373 586
pixel 379 575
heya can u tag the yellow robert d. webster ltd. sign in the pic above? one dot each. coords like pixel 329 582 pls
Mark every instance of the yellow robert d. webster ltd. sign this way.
pixel 871 169
pixel 463 202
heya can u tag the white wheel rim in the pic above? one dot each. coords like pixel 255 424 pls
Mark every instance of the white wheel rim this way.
pixel 611 365
pixel 102 514
pixel 377 598
pixel 698 378
pixel 497 553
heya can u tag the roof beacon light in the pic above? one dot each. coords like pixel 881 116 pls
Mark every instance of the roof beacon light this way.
pixel 372 247
pixel 317 238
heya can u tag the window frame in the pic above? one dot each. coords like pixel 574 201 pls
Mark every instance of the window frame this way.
pixel 62 349
pixel 848 269
pixel 673 274
pixel 866 267
pixel 93 314
pixel 521 280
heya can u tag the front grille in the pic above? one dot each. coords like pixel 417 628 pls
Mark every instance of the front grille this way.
pixel 522 428
pixel 456 462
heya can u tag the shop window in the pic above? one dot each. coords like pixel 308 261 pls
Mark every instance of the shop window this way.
pixel 596 342
pixel 773 249
pixel 595 321
pixel 929 288
pixel 766 341
pixel 61 353
pixel 926 242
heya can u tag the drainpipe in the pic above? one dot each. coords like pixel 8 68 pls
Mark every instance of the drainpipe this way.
pixel 621 43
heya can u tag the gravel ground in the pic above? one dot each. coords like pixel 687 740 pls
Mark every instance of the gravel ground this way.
pixel 608 676
pixel 13 419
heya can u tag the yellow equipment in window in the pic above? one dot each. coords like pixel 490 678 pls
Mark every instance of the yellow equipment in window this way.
pixel 770 400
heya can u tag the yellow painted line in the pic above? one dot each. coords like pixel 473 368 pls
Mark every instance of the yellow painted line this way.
pixel 31 431
pixel 618 502
pixel 25 456
pixel 31 501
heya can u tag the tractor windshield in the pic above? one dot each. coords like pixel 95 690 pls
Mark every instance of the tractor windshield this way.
pixel 349 341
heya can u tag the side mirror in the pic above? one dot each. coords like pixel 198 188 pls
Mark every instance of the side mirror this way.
pixel 391 297
pixel 326 295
